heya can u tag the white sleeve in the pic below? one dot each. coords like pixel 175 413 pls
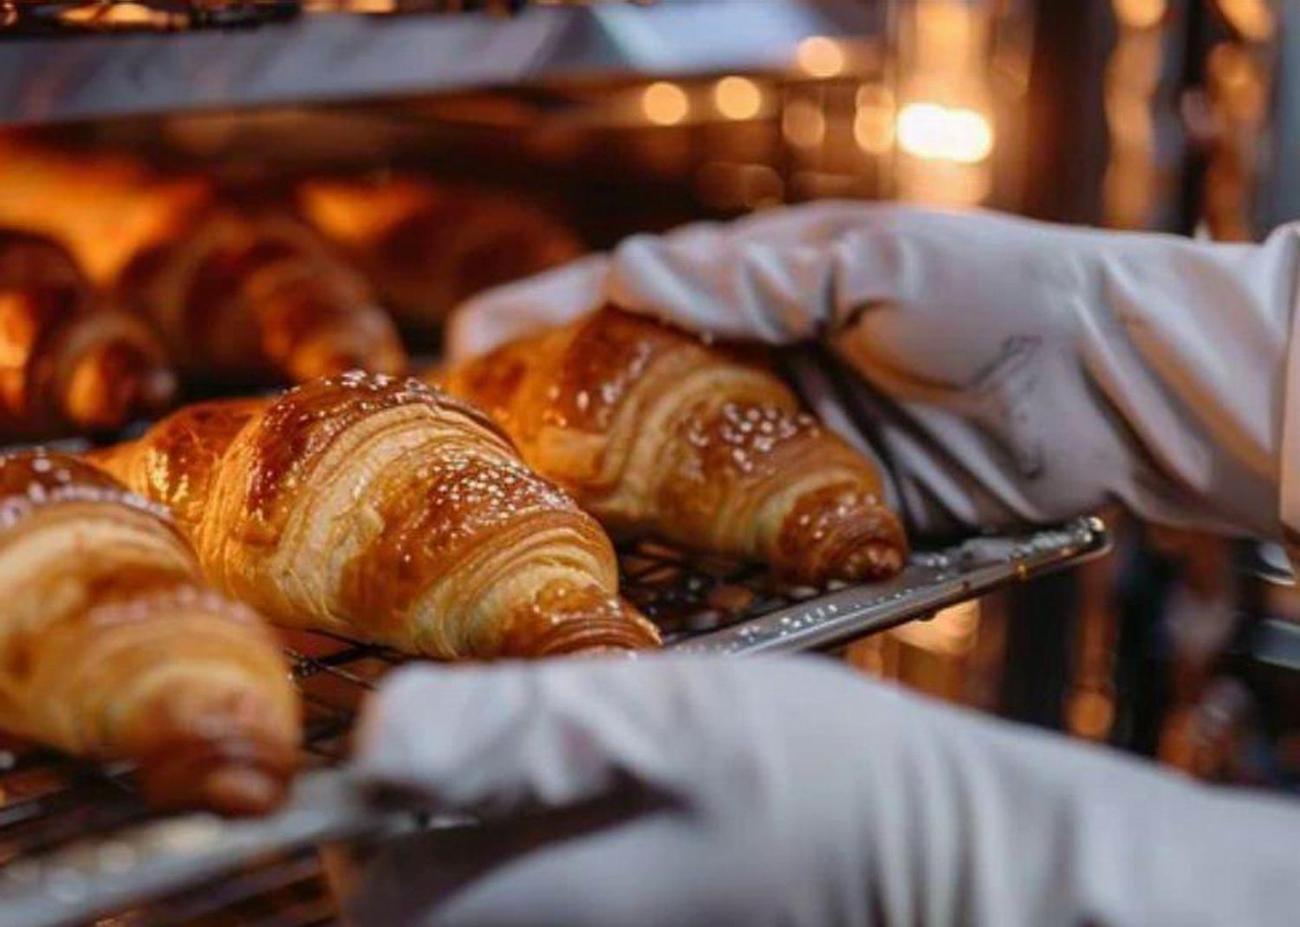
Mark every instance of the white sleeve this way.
pixel 791 791
pixel 1005 370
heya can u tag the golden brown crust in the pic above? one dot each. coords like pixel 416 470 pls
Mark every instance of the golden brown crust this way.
pixel 656 433
pixel 175 465
pixel 65 361
pixel 384 509
pixel 110 647
pixel 257 297
pixel 235 294
pixel 429 247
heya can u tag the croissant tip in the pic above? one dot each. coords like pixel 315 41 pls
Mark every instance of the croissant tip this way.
pixel 236 778
pixel 586 621
pixel 875 560
pixel 594 637
pixel 836 535
pixel 238 788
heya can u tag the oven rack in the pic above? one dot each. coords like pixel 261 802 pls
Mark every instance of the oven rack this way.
pixel 77 843
pixel 291 52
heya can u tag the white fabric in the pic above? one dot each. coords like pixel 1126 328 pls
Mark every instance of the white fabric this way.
pixel 1006 370
pixel 792 792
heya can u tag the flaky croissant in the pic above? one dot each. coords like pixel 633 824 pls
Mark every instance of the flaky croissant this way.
pixel 427 246
pixel 111 647
pixel 257 297
pixel 384 509
pixel 237 294
pixel 657 434
pixel 66 361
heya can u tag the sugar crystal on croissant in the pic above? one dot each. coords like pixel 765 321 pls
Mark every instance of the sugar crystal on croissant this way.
pixel 658 434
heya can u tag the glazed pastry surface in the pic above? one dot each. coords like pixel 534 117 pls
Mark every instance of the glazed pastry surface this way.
pixel 67 361
pixel 658 434
pixel 111 646
pixel 384 509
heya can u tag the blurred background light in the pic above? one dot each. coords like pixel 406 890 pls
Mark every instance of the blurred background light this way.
pixel 1139 14
pixel 1253 19
pixel 820 56
pixel 873 123
pixel 737 97
pixel 665 104
pixel 803 124
pixel 942 133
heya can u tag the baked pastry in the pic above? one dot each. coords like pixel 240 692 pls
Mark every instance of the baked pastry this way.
pixel 250 297
pixel 656 433
pixel 111 646
pixel 428 247
pixel 383 509
pixel 66 361
pixel 238 294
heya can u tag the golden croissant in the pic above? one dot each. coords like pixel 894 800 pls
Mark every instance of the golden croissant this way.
pixel 428 247
pixel 68 362
pixel 383 509
pixel 658 434
pixel 237 294
pixel 111 646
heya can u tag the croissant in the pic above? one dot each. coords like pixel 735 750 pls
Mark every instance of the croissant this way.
pixel 657 434
pixel 429 247
pixel 110 646
pixel 237 294
pixel 66 362
pixel 383 509
pixel 257 297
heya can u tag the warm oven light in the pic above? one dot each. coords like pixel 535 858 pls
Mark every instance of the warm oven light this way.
pixel 737 97
pixel 942 133
pixel 820 56
pixel 664 104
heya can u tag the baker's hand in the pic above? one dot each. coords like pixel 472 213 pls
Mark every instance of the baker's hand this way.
pixel 759 791
pixel 1006 370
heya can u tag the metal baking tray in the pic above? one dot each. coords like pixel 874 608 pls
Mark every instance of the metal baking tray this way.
pixel 77 843
pixel 331 56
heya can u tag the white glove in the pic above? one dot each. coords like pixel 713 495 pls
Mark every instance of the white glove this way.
pixel 789 791
pixel 1007 370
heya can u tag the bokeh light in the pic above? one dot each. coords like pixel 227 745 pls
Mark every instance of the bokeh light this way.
pixel 737 97
pixel 820 56
pixel 942 133
pixel 665 104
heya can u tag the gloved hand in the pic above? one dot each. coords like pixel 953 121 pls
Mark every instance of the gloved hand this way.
pixel 788 791
pixel 1006 370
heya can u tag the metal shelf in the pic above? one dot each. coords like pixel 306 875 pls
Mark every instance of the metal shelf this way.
pixel 76 842
pixel 931 581
pixel 338 57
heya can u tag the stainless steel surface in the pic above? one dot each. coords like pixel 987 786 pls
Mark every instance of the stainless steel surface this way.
pixel 932 580
pixel 343 56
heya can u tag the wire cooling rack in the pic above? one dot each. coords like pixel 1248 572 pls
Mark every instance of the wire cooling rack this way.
pixel 77 843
